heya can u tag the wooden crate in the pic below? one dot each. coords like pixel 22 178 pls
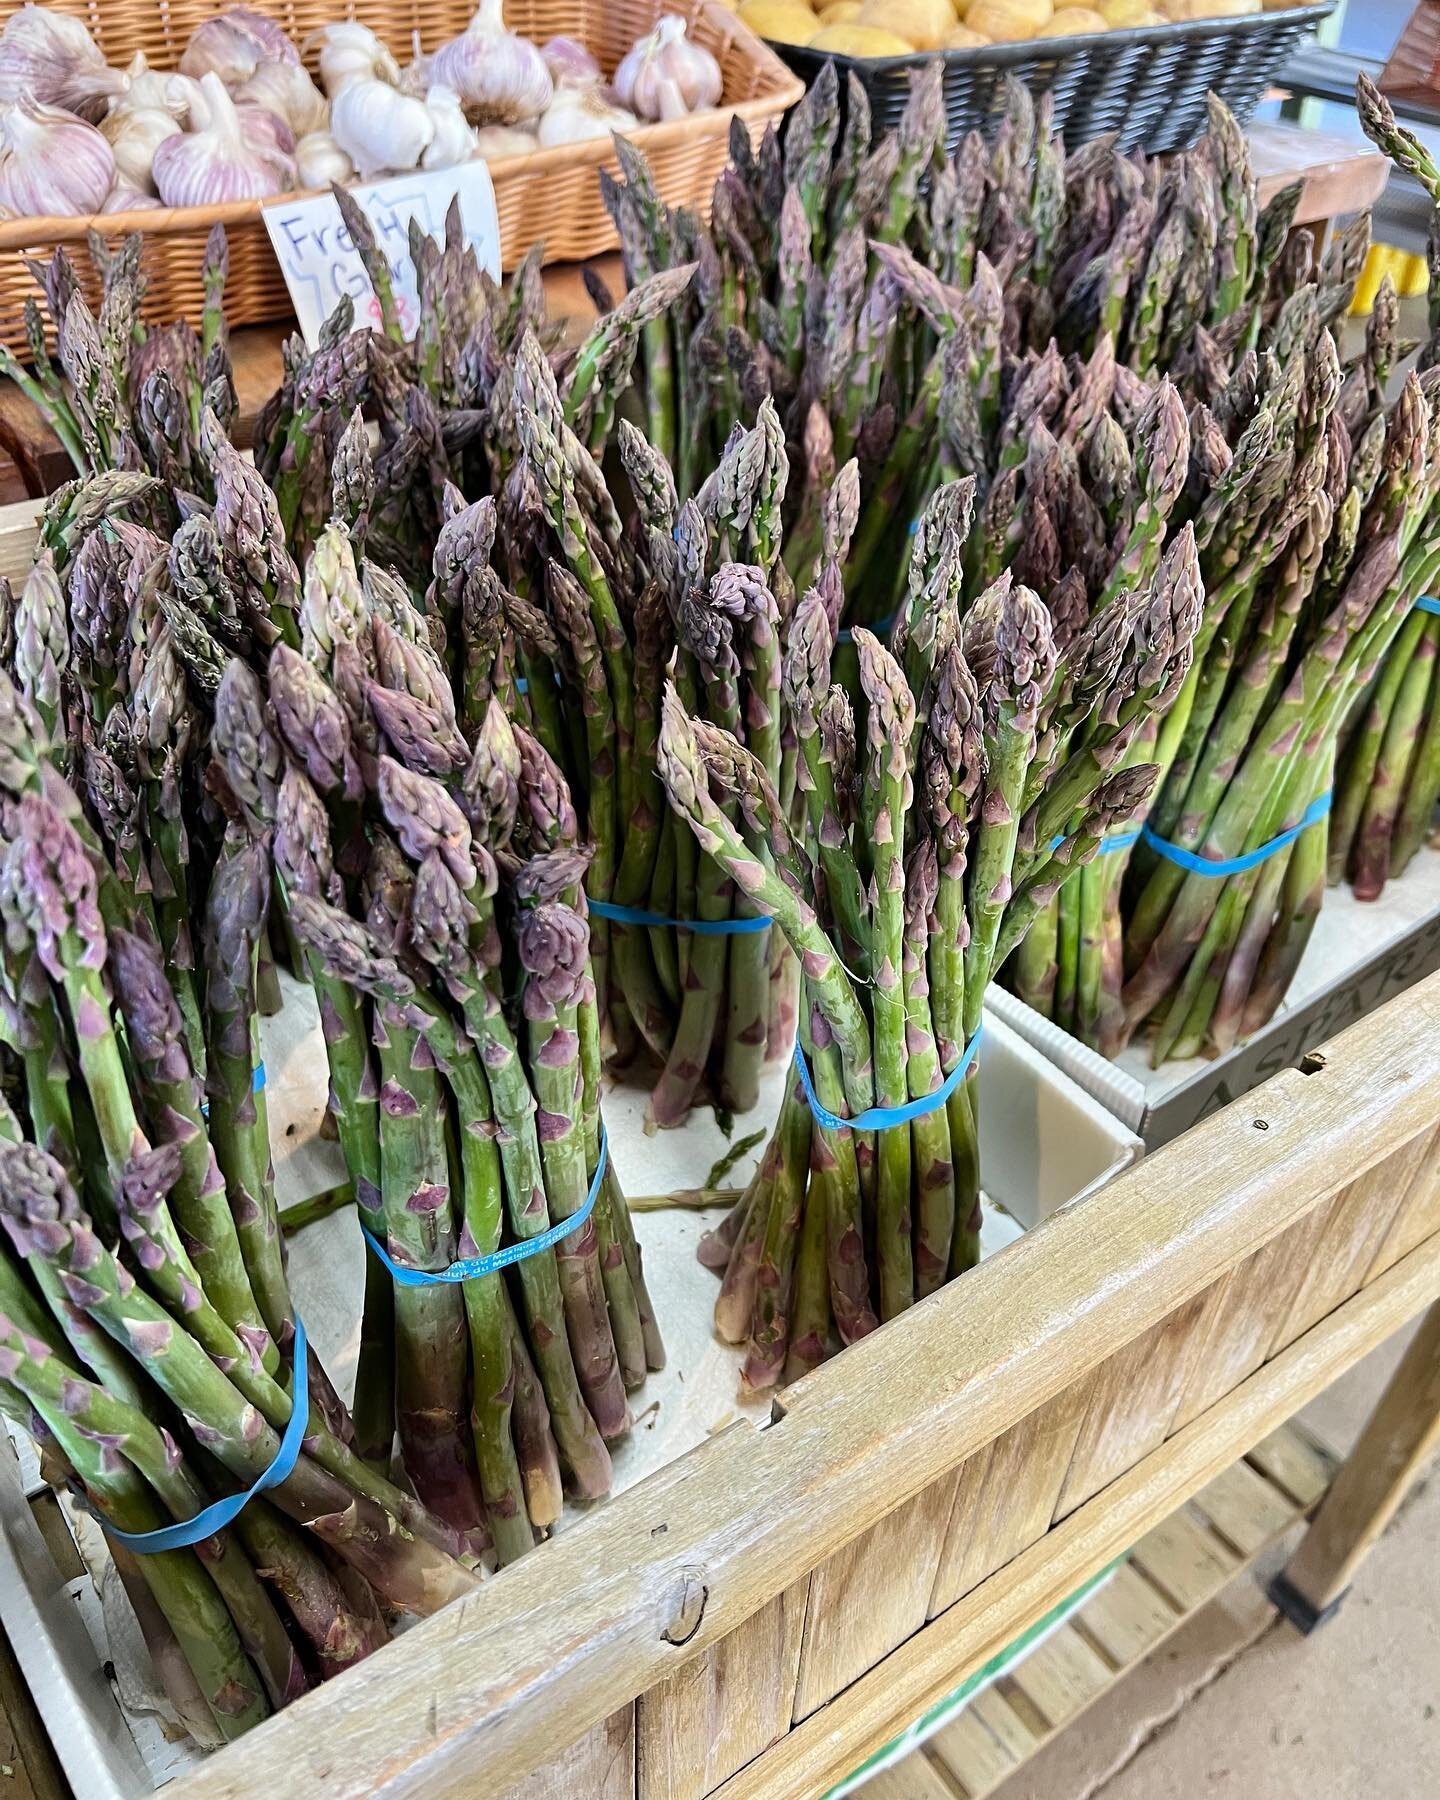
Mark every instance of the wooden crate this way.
pixel 758 1617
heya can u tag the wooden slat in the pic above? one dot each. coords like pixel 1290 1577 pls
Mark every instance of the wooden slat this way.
pixel 1132 1405
pixel 1244 1508
pixel 1003 1723
pixel 1116 1627
pixel 914 1779
pixel 971 1754
pixel 1418 1215
pixel 1243 1313
pixel 1127 1615
pixel 1061 1675
pixel 723 1708
pixel 871 1596
pixel 1294 1464
pixel 601 1766
pixel 1184 1559
pixel 1359 1218
pixel 1005 1496
pixel 1399 1439
pixel 567 1637
pixel 924 1670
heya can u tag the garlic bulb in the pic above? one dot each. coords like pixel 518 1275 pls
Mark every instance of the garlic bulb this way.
pixel 492 142
pixel 260 128
pixel 285 89
pixel 351 52
pixel 415 77
pixel 234 44
pixel 134 134
pixel 122 199
pixel 51 163
pixel 218 161
pixel 570 62
pixel 580 112
pixel 265 130
pixel 665 76
pixel 320 160
pixel 378 127
pixel 454 139
pixel 50 57
pixel 151 90
pixel 499 78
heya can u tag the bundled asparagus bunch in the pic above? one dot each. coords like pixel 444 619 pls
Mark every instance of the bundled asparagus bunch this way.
pixel 985 766
pixel 699 589
pixel 148 1338
pixel 319 718
pixel 578 618
pixel 1330 545
pixel 1086 337
pixel 1389 765
pixel 435 885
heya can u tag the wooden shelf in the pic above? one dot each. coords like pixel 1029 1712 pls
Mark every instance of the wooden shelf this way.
pixel 1172 1573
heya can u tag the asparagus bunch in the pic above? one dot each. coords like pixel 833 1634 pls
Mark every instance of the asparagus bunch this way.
pixel 576 620
pixel 1389 761
pixel 1087 337
pixel 147 1334
pixel 435 885
pixel 1388 780
pixel 980 768
pixel 340 719
pixel 1305 607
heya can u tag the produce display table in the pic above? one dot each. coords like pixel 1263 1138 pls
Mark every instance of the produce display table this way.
pixel 762 1614
pixel 771 1599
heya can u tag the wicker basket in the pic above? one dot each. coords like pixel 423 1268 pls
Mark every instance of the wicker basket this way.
pixel 1147 85
pixel 550 197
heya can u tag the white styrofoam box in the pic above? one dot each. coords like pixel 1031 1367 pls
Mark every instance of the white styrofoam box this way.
pixel 1361 953
pixel 1044 1144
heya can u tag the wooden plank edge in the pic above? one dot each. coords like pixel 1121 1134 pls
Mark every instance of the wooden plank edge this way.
pixel 1178 1617
pixel 833 1741
pixel 681 1559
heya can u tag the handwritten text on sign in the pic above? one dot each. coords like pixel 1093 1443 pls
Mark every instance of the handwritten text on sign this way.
pixel 321 265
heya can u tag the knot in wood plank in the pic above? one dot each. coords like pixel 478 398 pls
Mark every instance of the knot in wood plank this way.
pixel 688 1608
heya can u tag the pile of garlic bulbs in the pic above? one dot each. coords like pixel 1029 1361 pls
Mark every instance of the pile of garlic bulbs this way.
pixel 241 119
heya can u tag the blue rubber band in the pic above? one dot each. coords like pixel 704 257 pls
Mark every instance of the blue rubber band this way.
pixel 1428 603
pixel 883 1118
pixel 471 1268
pixel 636 915
pixel 257 1086
pixel 1122 840
pixel 224 1512
pixel 1237 865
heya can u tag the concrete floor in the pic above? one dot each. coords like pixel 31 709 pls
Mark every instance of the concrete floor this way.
pixel 1239 1707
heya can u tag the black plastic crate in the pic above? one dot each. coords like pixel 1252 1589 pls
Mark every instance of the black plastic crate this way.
pixel 1147 85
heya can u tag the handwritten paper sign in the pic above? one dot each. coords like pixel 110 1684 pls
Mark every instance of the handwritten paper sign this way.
pixel 320 264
